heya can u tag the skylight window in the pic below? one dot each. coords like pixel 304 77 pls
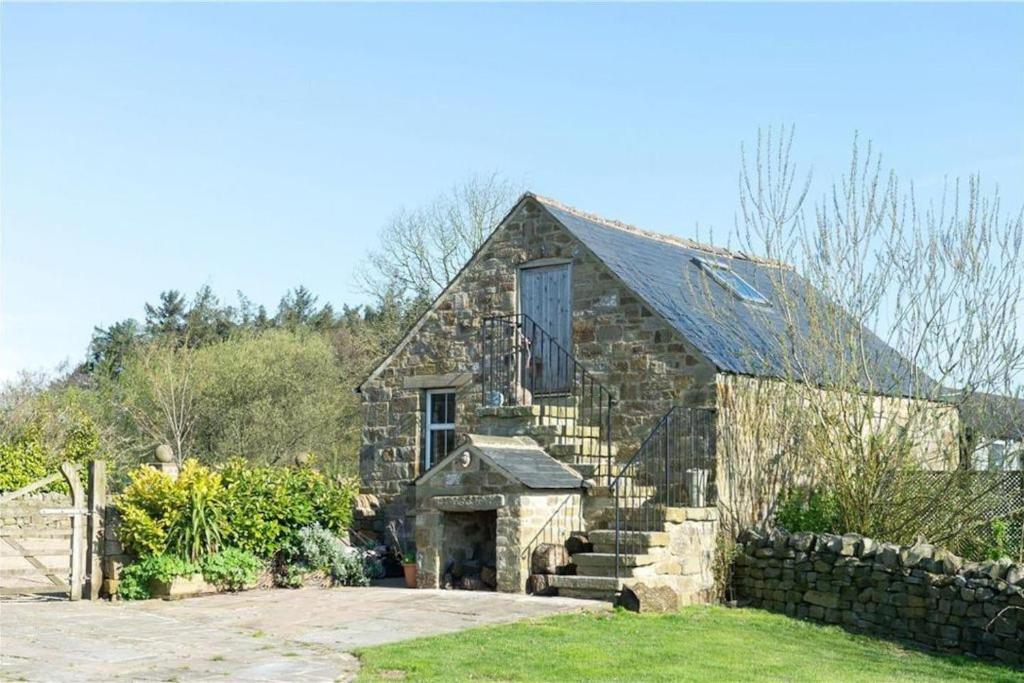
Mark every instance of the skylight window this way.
pixel 728 278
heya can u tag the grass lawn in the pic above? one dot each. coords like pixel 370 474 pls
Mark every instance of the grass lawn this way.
pixel 697 644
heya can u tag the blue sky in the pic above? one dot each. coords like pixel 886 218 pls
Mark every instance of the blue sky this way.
pixel 256 147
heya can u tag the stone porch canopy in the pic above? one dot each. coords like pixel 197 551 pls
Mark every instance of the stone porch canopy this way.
pixel 519 460
pixel 511 477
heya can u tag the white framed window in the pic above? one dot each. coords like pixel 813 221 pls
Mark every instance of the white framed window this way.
pixel 439 426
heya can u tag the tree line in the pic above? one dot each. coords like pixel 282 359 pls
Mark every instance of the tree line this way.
pixel 217 379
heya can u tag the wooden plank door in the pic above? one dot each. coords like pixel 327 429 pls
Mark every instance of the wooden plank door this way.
pixel 545 297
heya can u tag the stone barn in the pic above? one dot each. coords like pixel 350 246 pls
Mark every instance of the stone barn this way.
pixel 579 379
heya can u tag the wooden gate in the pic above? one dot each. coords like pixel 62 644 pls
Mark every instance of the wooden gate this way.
pixel 44 548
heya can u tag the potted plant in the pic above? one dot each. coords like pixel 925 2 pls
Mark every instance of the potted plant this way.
pixel 409 567
pixel 396 530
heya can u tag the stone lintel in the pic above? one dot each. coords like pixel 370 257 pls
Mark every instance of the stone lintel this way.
pixel 493 501
pixel 452 379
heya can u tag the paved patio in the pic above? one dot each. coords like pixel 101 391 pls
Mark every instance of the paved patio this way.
pixel 256 636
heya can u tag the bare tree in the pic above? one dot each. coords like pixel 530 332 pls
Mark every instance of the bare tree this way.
pixel 422 249
pixel 158 395
pixel 942 286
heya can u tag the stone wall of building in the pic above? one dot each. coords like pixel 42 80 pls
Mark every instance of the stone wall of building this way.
pixel 542 514
pixel 630 349
pixel 758 423
pixel 919 593
pixel 692 544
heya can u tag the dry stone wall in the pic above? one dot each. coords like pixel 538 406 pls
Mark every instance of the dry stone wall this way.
pixel 921 593
pixel 644 362
pixel 22 516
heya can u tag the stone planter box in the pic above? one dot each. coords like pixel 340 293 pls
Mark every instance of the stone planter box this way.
pixel 181 587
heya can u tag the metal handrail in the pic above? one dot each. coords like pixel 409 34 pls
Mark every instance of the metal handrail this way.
pixel 522 364
pixel 673 466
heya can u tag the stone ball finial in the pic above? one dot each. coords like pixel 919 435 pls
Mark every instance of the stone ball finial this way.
pixel 164 453
pixel 304 459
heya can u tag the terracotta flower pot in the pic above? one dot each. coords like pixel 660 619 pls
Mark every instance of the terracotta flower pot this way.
pixel 410 574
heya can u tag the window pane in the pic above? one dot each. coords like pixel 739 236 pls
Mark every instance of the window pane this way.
pixel 442 408
pixel 437 409
pixel 450 407
pixel 437 447
pixel 441 443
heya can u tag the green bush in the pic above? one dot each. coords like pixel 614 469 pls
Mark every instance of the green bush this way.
pixel 37 450
pixel 317 548
pixel 255 509
pixel 808 510
pixel 136 577
pixel 991 541
pixel 22 461
pixel 197 527
pixel 266 506
pixel 231 569
pixel 148 506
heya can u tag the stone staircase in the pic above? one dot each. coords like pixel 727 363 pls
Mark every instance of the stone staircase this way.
pixel 654 548
pixel 556 427
pixel 660 540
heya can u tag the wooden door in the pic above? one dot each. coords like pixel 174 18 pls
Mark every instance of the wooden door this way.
pixel 545 297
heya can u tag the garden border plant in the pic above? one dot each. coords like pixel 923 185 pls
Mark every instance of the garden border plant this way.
pixel 231 523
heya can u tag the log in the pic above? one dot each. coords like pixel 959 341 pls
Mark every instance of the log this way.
pixel 578 543
pixel 540 584
pixel 489 576
pixel 548 558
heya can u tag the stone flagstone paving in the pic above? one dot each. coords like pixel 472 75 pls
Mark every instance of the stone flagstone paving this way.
pixel 268 635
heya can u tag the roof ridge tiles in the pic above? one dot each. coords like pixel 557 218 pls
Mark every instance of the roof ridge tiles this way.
pixel 661 237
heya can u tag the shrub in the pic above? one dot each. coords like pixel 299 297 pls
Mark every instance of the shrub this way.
pixel 38 449
pixel 231 569
pixel 22 461
pixel 196 528
pixel 808 510
pixel 140 533
pixel 991 541
pixel 266 506
pixel 136 577
pixel 255 509
pixel 317 548
pixel 148 506
pixel 1000 545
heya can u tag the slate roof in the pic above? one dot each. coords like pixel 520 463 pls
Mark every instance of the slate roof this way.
pixel 736 336
pixel 524 460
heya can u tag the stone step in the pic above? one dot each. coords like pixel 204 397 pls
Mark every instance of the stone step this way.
pixel 655 516
pixel 558 411
pixel 524 420
pixel 601 513
pixel 645 539
pixel 596 470
pixel 588 587
pixel 664 567
pixel 550 435
pixel 583 448
pixel 574 430
pixel 586 561
pixel 631 493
